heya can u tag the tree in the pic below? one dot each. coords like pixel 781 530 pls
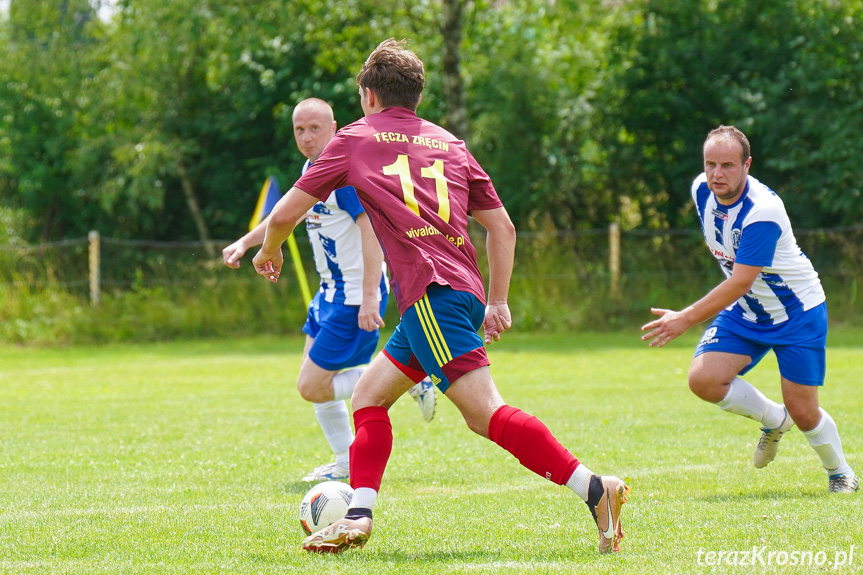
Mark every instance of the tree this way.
pixel 39 103
pixel 163 123
pixel 787 73
pixel 456 112
pixel 533 67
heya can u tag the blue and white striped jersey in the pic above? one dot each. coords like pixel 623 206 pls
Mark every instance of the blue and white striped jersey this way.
pixel 337 246
pixel 756 231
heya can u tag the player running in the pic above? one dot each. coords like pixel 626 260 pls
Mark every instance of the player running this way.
pixel 344 316
pixel 771 299
pixel 418 184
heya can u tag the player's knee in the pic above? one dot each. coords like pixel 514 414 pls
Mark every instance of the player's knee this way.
pixel 305 391
pixel 805 413
pixel 706 386
pixel 312 391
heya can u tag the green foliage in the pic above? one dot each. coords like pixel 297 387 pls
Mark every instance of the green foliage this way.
pixel 38 107
pixel 35 316
pixel 582 112
pixel 211 86
pixel 561 282
pixel 55 316
pixel 505 121
pixel 534 67
pixel 784 72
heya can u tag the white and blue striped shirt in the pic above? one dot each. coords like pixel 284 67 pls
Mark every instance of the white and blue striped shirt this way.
pixel 756 231
pixel 337 246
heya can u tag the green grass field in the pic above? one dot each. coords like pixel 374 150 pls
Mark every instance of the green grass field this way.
pixel 186 458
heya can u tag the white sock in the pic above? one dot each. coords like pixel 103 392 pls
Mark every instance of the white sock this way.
pixel 345 382
pixel 335 422
pixel 579 481
pixel 364 497
pixel 743 399
pixel 824 439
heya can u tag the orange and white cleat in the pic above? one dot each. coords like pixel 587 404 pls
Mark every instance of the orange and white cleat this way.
pixel 605 497
pixel 342 535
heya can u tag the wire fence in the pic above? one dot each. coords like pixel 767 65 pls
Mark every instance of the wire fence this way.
pixel 599 272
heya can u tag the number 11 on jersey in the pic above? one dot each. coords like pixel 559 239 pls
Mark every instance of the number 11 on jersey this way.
pixel 401 168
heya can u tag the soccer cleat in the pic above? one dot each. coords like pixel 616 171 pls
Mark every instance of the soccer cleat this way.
pixel 768 445
pixel 843 483
pixel 342 535
pixel 604 497
pixel 425 396
pixel 329 472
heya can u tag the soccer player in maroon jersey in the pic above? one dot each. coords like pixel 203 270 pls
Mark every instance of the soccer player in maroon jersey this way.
pixel 419 183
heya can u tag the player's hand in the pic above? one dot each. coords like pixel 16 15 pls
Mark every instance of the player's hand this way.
pixel 269 264
pixel 231 254
pixel 670 325
pixel 369 318
pixel 497 320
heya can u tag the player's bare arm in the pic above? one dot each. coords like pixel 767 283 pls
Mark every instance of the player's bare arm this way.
pixel 500 246
pixel 373 257
pixel 672 324
pixel 231 254
pixel 290 209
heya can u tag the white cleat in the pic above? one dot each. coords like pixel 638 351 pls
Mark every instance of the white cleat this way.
pixel 843 483
pixel 768 445
pixel 329 472
pixel 425 394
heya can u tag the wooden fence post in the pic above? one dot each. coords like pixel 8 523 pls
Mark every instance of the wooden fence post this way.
pixel 614 258
pixel 94 251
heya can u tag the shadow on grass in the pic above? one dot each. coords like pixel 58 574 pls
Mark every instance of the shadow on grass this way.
pixel 357 558
pixel 774 494
pixel 477 557
pixel 298 487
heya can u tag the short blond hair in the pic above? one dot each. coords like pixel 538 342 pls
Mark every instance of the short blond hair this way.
pixel 731 133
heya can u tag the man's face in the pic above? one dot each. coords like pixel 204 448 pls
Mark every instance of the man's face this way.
pixel 312 130
pixel 726 171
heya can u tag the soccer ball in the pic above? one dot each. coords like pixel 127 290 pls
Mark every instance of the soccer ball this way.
pixel 324 504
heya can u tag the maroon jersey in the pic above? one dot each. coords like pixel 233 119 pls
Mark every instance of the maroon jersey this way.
pixel 418 183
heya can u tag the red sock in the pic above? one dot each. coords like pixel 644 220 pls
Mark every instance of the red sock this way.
pixel 530 441
pixel 371 448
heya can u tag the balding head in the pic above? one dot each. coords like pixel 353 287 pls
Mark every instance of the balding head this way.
pixel 314 106
pixel 314 126
pixel 730 134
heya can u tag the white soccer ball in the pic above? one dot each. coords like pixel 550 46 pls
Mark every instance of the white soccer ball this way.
pixel 324 504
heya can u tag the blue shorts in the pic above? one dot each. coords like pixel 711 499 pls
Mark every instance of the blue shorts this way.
pixel 438 336
pixel 800 343
pixel 339 341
